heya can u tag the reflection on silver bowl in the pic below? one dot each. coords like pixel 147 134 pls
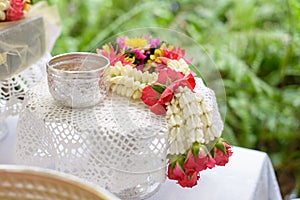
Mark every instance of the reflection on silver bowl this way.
pixel 75 79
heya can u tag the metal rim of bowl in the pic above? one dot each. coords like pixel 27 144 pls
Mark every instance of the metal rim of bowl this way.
pixel 54 61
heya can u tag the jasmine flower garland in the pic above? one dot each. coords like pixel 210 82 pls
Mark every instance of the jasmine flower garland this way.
pixel 159 74
pixel 128 81
pixel 179 65
pixel 184 121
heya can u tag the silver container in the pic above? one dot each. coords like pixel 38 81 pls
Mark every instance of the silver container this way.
pixel 75 79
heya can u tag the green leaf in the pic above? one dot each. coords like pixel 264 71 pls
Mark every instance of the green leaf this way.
pixel 195 149
pixel 220 145
pixel 159 88
pixel 181 161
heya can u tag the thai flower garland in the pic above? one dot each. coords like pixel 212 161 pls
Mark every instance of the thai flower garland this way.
pixel 12 10
pixel 157 73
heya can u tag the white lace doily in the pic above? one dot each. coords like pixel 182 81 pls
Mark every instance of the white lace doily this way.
pixel 118 144
pixel 13 89
pixel 29 42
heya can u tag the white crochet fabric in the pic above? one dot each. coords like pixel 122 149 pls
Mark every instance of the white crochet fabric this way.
pixel 119 144
pixel 13 89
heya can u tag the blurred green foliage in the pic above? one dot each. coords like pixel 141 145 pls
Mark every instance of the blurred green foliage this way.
pixel 254 43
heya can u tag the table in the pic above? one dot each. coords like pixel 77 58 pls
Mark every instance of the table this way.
pixel 248 176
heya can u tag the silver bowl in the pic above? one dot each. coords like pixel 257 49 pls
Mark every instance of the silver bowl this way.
pixel 33 183
pixel 75 79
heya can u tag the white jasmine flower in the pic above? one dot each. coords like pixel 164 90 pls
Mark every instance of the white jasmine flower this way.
pixel 199 119
pixel 128 81
pixel 179 65
pixel 4 5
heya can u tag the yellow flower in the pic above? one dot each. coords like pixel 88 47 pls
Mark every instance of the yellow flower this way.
pixel 26 5
pixel 157 53
pixel 128 59
pixel 136 42
pixel 163 45
pixel 106 48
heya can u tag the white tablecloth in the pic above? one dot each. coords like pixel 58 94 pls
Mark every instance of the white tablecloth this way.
pixel 249 175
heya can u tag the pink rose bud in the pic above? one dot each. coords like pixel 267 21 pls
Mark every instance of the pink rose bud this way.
pixel 189 180
pixel 175 173
pixel 222 153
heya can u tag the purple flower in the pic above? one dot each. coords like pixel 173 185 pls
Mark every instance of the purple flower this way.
pixel 153 42
pixel 139 54
pixel 121 42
